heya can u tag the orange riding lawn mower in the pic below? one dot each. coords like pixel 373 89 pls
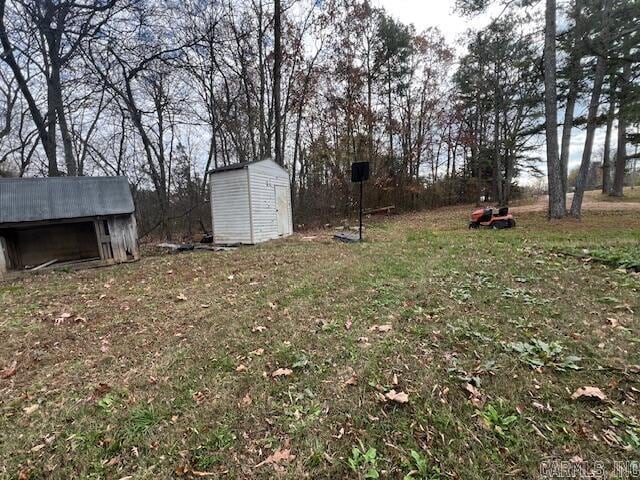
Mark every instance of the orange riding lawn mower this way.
pixel 485 217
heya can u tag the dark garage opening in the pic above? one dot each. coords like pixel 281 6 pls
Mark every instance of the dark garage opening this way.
pixel 32 246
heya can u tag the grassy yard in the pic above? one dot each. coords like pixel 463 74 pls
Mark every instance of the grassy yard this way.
pixel 291 358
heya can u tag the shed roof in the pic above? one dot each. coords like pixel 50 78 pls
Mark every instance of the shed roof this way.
pixel 34 199
pixel 241 165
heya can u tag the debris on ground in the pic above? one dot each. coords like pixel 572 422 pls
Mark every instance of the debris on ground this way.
pixel 187 247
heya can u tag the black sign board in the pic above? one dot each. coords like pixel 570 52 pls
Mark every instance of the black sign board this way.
pixel 359 171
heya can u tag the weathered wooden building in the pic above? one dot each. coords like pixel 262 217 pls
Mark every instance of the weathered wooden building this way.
pixel 58 221
pixel 250 202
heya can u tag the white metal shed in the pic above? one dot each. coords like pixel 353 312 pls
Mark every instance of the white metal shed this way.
pixel 250 202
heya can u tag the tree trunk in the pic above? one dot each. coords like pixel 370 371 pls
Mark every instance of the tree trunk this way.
pixel 606 157
pixel 277 66
pixel 581 181
pixel 264 148
pixel 572 96
pixel 621 154
pixel 557 200
pixel 497 164
pixel 567 125
pixel 390 116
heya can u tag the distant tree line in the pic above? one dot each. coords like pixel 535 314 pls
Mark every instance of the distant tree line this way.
pixel 165 91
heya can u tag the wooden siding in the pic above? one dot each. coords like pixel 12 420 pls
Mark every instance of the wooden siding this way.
pixel 231 216
pixel 124 238
pixel 264 177
pixel 3 257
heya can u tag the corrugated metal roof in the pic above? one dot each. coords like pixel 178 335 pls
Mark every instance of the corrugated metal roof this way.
pixel 33 199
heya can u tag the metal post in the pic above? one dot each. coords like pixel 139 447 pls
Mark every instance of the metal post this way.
pixel 361 210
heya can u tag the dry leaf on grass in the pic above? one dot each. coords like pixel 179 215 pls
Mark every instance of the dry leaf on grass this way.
pixel 353 380
pixel 10 371
pixel 258 328
pixel 181 297
pixel 24 473
pixel 475 396
pixel 241 368
pixel 613 322
pixel 348 324
pixel 279 456
pixel 543 408
pixel 30 409
pixel 398 397
pixel 589 392
pixel 381 328
pixel 282 372
pixel 246 400
pixel 61 319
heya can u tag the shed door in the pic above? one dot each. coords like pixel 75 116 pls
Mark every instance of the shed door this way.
pixel 282 210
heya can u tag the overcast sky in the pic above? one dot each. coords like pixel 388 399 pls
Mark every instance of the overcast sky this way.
pixel 440 13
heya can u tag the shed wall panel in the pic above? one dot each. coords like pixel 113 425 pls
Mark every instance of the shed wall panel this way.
pixel 231 217
pixel 4 257
pixel 263 179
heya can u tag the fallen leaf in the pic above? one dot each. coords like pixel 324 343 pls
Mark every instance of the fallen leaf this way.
pixel 543 408
pixel 241 368
pixel 273 305
pixel 257 352
pixel 205 305
pixel 230 277
pixel 475 396
pixel 246 400
pixel 381 328
pixel 472 390
pixel 37 448
pixel 61 319
pixel 279 456
pixel 258 328
pixel 182 297
pixel 613 322
pixel 282 372
pixel 394 380
pixel 31 408
pixel 348 324
pixel 398 397
pixel 9 371
pixel 353 380
pixel 589 392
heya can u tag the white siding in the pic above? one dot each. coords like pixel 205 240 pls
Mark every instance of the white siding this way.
pixel 230 207
pixel 264 177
